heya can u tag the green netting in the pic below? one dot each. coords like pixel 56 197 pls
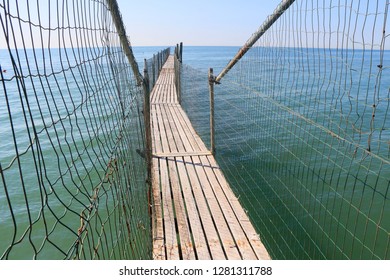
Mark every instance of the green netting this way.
pixel 302 130
pixel 154 65
pixel 72 179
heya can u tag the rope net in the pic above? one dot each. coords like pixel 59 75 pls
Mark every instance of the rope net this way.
pixel 72 175
pixel 154 65
pixel 303 132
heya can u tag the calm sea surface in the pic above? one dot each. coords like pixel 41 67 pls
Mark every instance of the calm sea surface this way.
pixel 203 58
pixel 293 127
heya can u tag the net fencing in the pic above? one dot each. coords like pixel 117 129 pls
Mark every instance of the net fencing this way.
pixel 303 132
pixel 154 65
pixel 72 171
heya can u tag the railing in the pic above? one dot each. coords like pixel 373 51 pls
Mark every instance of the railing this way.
pixel 154 65
pixel 72 165
pixel 178 60
pixel 301 129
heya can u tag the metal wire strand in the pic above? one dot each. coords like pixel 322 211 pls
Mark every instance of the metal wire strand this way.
pixel 72 183
pixel 302 130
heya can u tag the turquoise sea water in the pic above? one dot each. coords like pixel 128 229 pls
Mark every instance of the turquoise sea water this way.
pixel 302 137
pixel 308 194
pixel 73 117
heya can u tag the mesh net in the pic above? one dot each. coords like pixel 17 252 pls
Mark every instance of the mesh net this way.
pixel 302 131
pixel 72 176
pixel 154 65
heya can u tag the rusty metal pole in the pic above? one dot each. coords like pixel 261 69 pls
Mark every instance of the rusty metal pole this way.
pixel 283 6
pixel 117 18
pixel 181 52
pixel 154 69
pixel 212 130
pixel 148 131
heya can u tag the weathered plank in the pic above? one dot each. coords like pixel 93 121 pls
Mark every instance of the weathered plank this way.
pixel 157 219
pixel 171 243
pixel 185 246
pixel 195 213
pixel 240 239
pixel 208 222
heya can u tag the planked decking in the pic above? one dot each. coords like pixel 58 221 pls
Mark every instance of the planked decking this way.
pixel 195 213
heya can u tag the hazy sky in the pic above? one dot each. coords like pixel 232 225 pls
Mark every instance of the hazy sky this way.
pixel 199 22
pixel 196 22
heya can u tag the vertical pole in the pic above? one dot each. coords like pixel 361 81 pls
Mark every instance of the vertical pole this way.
pixel 178 79
pixel 211 88
pixel 181 52
pixel 148 132
pixel 160 58
pixel 154 69
pixel 117 18
pixel 159 62
pixel 283 6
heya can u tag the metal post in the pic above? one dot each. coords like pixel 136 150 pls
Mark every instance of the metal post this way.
pixel 284 5
pixel 148 131
pixel 116 16
pixel 178 79
pixel 161 58
pixel 181 52
pixel 154 69
pixel 177 67
pixel 211 87
pixel 159 62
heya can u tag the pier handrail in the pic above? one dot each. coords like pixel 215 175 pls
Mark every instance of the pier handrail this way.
pixel 117 18
pixel 283 6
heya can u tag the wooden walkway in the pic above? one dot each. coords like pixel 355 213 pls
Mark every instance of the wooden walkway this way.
pixel 195 213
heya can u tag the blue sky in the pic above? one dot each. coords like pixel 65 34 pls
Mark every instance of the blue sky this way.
pixel 151 22
pixel 328 23
pixel 195 23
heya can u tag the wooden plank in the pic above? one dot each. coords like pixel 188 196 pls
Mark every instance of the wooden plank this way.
pixel 243 239
pixel 198 235
pixel 186 246
pixel 240 238
pixel 153 94
pixel 173 95
pixel 188 132
pixel 254 238
pixel 157 221
pixel 209 226
pixel 194 137
pixel 197 232
pixel 166 104
pixel 157 211
pixel 181 154
pixel 156 141
pixel 185 132
pixel 223 229
pixel 193 194
pixel 188 148
pixel 171 242
pixel 179 205
pixel 250 232
pixel 230 221
pixel 167 93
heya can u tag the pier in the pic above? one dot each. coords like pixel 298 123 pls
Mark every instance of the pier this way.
pixel 195 213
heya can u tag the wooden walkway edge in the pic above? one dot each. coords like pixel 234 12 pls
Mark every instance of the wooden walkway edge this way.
pixel 195 214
